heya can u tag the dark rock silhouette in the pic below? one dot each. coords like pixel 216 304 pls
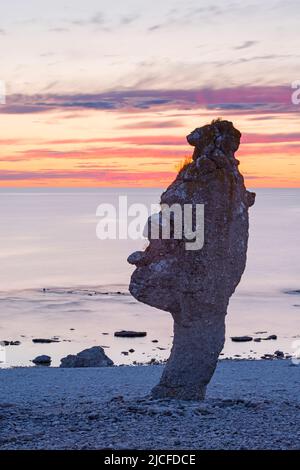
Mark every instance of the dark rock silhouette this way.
pixel 92 357
pixel 42 360
pixel 195 285
pixel 241 339
pixel 45 340
pixel 130 334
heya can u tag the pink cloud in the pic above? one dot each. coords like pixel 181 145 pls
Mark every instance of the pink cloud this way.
pixel 243 99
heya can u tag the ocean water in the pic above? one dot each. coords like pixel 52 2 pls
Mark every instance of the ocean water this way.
pixel 58 279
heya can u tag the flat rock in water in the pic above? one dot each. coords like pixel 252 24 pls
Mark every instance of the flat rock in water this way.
pixel 130 334
pixel 10 343
pixel 292 292
pixel 270 337
pixel 92 357
pixel 45 340
pixel 241 339
pixel 42 360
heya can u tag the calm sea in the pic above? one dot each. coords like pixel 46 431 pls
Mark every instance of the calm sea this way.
pixel 48 241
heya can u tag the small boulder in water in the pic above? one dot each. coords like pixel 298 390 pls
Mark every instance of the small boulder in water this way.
pixel 45 340
pixel 42 360
pixel 279 354
pixel 130 334
pixel 10 343
pixel 241 339
pixel 92 357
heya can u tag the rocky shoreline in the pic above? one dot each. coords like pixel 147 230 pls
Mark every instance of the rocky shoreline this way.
pixel 96 357
pixel 249 405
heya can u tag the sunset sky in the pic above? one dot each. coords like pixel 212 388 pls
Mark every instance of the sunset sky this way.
pixel 103 93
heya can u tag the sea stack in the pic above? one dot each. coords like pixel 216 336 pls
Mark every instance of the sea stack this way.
pixel 195 285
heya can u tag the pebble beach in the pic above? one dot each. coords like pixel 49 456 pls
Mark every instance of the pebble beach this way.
pixel 249 405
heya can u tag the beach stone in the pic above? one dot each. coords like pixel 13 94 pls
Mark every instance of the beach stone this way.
pixel 92 357
pixel 42 360
pixel 93 416
pixel 130 334
pixel 195 285
pixel 241 339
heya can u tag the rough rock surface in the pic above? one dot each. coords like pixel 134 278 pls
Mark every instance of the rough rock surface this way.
pixel 92 357
pixel 195 286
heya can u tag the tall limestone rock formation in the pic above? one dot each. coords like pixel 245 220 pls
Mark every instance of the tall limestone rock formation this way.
pixel 195 285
